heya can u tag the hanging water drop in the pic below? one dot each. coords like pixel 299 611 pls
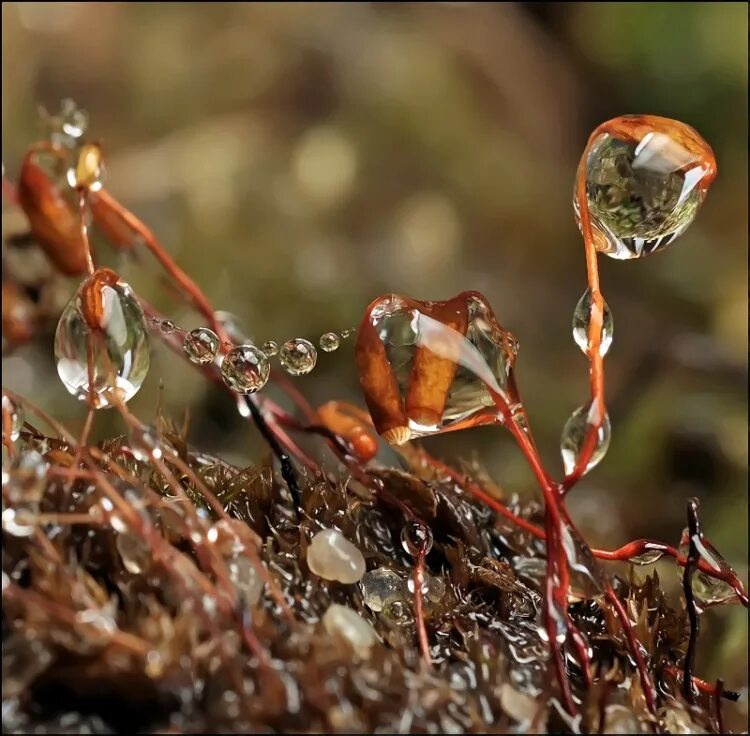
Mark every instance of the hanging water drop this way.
pixel 270 348
pixel 333 557
pixel 201 345
pixel 582 323
pixel 380 587
pixel 645 178
pixel 12 419
pixel 329 341
pixel 101 343
pixel 574 435
pixel 245 369
pixel 298 356
pixel 167 326
pixel 416 537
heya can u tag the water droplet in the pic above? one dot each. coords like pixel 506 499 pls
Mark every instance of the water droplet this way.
pixel 430 367
pixel 343 621
pixel 574 436
pixel 102 334
pixel 135 555
pixel 582 322
pixel 708 591
pixel 167 326
pixel 333 557
pixel 380 587
pixel 202 345
pixel 12 418
pixel 246 579
pixel 298 356
pixel 416 536
pixel 329 341
pixel 270 348
pixel 647 558
pixel 88 172
pixel 646 177
pixel 346 334
pixel 245 369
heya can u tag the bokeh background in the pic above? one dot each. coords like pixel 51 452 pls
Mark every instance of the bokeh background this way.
pixel 299 159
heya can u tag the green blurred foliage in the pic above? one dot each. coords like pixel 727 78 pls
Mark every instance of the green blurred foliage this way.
pixel 299 159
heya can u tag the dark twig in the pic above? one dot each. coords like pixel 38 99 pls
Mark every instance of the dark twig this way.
pixel 694 534
pixel 717 701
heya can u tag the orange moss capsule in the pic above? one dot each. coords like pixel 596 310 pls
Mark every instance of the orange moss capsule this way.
pixel 91 295
pixel 353 425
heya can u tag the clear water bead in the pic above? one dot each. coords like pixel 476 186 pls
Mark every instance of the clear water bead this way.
pixel 12 419
pixel 270 348
pixel 246 579
pixel 415 537
pixel 333 557
pixel 298 356
pixel 343 621
pixel 574 435
pixel 135 555
pixel 245 369
pixel 329 341
pixel 582 323
pixel 101 343
pixel 649 557
pixel 645 178
pixel 380 587
pixel 167 326
pixel 201 345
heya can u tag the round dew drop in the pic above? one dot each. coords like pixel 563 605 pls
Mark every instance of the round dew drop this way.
pixel 333 557
pixel 298 356
pixel 329 341
pixel 245 369
pixel 270 348
pixel 574 435
pixel 415 537
pixel 101 343
pixel 201 345
pixel 380 587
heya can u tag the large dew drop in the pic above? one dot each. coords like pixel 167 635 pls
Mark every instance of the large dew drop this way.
pixel 101 343
pixel 333 557
pixel 574 435
pixel 582 324
pixel 645 179
pixel 245 369
pixel 298 356
pixel 429 367
pixel 382 586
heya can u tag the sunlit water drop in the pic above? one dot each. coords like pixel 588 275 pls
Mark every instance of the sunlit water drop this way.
pixel 582 324
pixel 298 356
pixel 574 435
pixel 430 367
pixel 708 590
pixel 333 557
pixel 270 348
pixel 102 335
pixel 329 341
pixel 646 177
pixel 245 369
pixel 201 345
pixel 12 418
pixel 380 587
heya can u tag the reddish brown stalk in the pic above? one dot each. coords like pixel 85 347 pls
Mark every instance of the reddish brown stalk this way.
pixel 424 644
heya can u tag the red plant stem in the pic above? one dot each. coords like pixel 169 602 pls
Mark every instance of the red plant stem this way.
pixel 703 686
pixel 424 644
pixel 82 202
pixel 694 534
pixel 717 704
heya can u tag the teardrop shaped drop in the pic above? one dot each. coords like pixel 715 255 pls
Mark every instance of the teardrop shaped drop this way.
pixel 574 436
pixel 101 343
pixel 582 323
pixel 645 179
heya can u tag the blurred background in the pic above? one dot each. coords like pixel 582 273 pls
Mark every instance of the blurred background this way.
pixel 300 159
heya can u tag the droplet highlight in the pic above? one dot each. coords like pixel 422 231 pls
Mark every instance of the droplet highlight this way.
pixel 416 537
pixel 298 356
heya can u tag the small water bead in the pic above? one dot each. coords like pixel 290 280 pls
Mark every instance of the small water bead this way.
pixel 201 345
pixel 270 348
pixel 245 369
pixel 102 331
pixel 433 588
pixel 430 367
pixel 135 555
pixel 574 435
pixel 333 557
pixel 12 418
pixel 343 621
pixel 298 356
pixel 329 341
pixel 346 334
pixel 246 579
pixel 646 178
pixel 416 537
pixel 380 587
pixel 582 323
pixel 647 558
pixel 167 326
